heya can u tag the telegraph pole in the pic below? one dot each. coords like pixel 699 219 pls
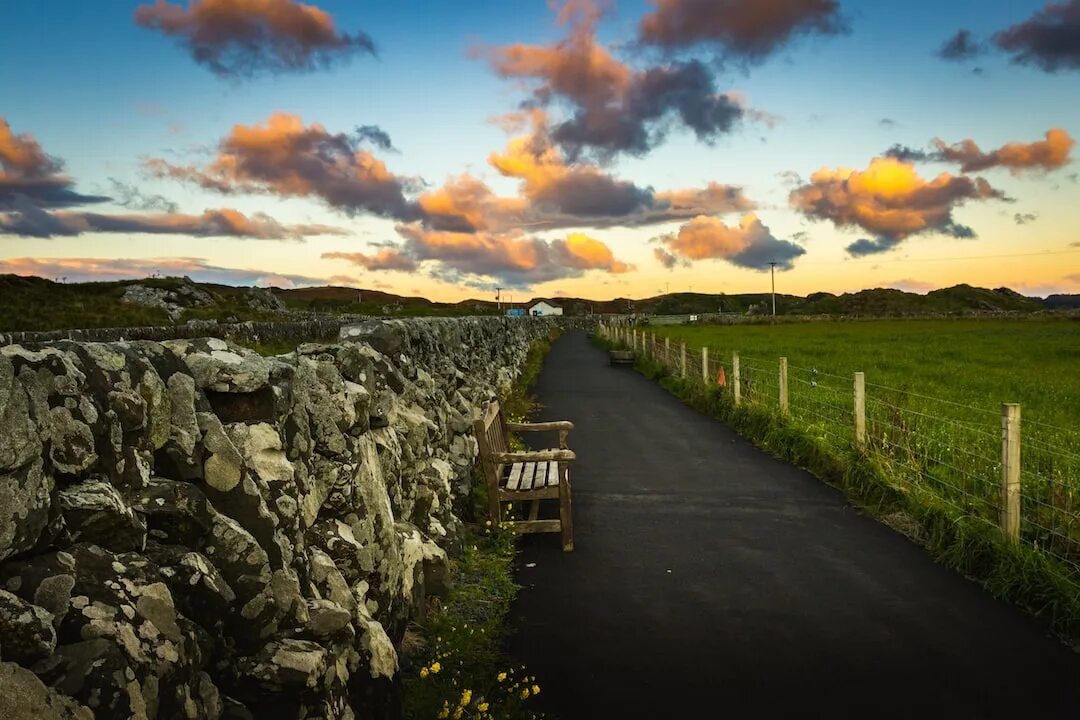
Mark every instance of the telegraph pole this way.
pixel 772 273
pixel 498 299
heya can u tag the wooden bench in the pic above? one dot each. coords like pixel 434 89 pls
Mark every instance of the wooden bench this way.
pixel 531 475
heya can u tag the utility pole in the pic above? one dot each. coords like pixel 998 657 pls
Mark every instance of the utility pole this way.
pixel 498 299
pixel 772 273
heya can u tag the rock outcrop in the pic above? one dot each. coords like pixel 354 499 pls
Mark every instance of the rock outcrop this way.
pixel 191 530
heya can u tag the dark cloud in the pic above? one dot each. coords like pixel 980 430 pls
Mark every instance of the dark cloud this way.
pixel 890 200
pixel 749 31
pixel 748 244
pixel 285 158
pixel 26 171
pixel 961 47
pixel 614 108
pixel 242 38
pixel 376 136
pixel 198 269
pixel 887 123
pixel 1049 39
pixel 1024 218
pixel 668 260
pixel 28 220
pixel 129 196
pixel 384 259
pixel 908 154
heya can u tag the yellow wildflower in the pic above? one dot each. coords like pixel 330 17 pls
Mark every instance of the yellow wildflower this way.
pixel 501 677
pixel 466 697
pixel 457 713
pixel 524 693
pixel 482 707
pixel 535 689
pixel 435 667
pixel 423 672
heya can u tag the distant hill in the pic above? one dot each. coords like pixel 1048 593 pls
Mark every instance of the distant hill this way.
pixel 32 303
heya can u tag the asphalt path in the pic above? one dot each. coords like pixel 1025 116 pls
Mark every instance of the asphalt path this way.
pixel 710 580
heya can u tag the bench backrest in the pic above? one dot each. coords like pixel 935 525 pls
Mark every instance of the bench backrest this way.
pixel 490 430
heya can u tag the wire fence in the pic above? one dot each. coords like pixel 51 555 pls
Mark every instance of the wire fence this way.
pixel 974 459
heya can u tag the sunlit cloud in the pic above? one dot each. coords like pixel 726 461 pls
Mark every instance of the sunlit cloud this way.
pixel 28 220
pixel 198 269
pixel 27 171
pixel 613 108
pixel 890 200
pixel 384 259
pixel 240 38
pixel 1049 154
pixel 749 31
pixel 748 244
pixel 286 158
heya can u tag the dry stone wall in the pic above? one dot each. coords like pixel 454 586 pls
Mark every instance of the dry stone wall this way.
pixel 191 530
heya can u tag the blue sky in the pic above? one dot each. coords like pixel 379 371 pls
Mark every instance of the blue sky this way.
pixel 102 93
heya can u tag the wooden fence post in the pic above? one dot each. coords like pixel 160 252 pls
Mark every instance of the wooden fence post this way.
pixel 667 351
pixel 782 387
pixel 705 365
pixel 736 386
pixel 635 340
pixel 682 360
pixel 1010 471
pixel 860 410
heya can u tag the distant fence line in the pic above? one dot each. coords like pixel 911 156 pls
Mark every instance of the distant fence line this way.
pixel 975 459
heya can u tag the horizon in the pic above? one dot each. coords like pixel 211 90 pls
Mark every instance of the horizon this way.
pixel 579 149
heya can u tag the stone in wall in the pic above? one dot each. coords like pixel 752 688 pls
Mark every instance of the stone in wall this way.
pixel 188 529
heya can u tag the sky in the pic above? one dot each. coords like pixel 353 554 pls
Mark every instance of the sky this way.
pixel 578 148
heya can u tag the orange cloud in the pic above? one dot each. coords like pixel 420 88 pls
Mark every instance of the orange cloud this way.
pixel 750 244
pixel 1049 154
pixel 615 108
pixel 890 200
pixel 287 158
pixel 27 171
pixel 385 259
pixel 243 37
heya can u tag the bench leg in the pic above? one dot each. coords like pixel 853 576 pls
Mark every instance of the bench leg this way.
pixel 566 520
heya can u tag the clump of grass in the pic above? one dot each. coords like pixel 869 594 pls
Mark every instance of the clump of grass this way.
pixel 457 667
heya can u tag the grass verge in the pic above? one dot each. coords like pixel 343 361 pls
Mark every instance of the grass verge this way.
pixel 454 665
pixel 970 545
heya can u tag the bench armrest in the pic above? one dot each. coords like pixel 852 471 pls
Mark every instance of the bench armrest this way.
pixel 534 456
pixel 540 426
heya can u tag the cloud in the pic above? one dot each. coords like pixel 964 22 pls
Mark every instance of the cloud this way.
pixel 131 197
pixel 556 193
pixel 1049 39
pixel 748 31
pixel 100 269
pixel 287 158
pixel 614 108
pixel 1024 218
pixel 1049 154
pixel 376 136
pixel 669 260
pixel 242 38
pixel 514 258
pixel 28 220
pixel 961 47
pixel 749 244
pixel 27 171
pixel 908 154
pixel 890 200
pixel 913 286
pixel 384 259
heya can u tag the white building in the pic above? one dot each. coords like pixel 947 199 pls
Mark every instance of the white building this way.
pixel 543 309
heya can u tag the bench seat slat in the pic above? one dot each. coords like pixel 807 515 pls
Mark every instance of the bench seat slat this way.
pixel 514 481
pixel 527 476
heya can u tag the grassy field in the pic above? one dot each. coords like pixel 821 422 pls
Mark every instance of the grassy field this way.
pixel 934 390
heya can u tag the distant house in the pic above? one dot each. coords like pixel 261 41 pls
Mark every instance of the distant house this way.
pixel 543 309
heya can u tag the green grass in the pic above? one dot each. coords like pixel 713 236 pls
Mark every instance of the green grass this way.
pixel 932 465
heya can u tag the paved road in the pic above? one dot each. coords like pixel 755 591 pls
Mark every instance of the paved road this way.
pixel 711 580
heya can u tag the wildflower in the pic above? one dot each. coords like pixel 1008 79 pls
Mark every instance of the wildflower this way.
pixel 424 672
pixel 435 667
pixel 466 697
pixel 482 707
pixel 524 693
pixel 457 713
pixel 487 523
pixel 535 689
pixel 501 677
